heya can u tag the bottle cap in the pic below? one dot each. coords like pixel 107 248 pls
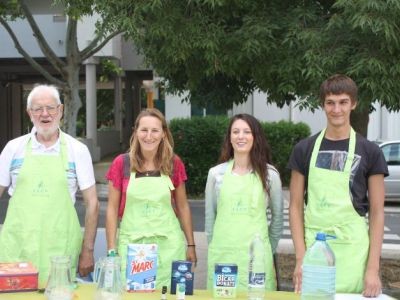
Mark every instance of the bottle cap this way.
pixel 164 289
pixel 320 236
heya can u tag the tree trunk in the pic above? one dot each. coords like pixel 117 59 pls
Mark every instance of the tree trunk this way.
pixel 72 101
pixel 359 119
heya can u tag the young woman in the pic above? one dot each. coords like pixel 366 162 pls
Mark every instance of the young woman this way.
pixel 143 202
pixel 238 192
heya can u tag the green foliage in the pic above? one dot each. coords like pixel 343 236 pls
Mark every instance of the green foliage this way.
pixel 77 8
pixel 198 142
pixel 109 69
pixel 10 9
pixel 282 136
pixel 221 50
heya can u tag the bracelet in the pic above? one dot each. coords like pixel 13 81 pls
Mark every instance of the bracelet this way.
pixel 193 245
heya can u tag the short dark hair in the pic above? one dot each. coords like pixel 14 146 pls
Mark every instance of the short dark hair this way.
pixel 338 84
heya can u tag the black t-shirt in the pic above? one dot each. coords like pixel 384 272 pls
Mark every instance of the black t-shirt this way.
pixel 368 160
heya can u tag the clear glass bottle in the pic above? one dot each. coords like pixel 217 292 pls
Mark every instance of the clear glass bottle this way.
pixel 109 285
pixel 59 286
pixel 256 286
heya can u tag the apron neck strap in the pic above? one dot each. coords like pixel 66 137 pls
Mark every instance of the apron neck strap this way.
pixel 63 149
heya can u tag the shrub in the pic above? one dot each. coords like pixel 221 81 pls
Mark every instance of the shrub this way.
pixel 282 136
pixel 198 142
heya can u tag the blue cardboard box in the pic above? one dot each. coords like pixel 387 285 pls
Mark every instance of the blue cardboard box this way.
pixel 181 272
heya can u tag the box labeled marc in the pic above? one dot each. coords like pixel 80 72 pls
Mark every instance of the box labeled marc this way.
pixel 141 267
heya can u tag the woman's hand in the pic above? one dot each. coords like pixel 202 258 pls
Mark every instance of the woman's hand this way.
pixel 297 276
pixel 191 255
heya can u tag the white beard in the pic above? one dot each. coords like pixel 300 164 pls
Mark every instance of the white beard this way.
pixel 47 133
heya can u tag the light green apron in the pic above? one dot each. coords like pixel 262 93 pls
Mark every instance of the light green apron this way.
pixel 241 213
pixel 331 210
pixel 149 218
pixel 41 220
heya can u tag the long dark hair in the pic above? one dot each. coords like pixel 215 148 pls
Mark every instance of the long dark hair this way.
pixel 260 154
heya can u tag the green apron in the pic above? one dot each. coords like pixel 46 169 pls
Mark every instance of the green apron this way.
pixel 331 210
pixel 241 213
pixel 41 220
pixel 149 218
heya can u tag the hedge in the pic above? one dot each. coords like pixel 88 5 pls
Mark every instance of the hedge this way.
pixel 198 142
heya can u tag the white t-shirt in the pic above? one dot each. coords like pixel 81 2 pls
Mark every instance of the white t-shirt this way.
pixel 80 168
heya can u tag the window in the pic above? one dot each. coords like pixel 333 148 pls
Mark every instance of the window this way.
pixel 392 153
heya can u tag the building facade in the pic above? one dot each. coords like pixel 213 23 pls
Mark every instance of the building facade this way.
pixel 17 76
pixel 383 125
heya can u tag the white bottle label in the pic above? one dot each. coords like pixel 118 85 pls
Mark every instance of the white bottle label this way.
pixel 256 279
pixel 108 279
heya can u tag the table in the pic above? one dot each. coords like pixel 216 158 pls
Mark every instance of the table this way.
pixel 86 292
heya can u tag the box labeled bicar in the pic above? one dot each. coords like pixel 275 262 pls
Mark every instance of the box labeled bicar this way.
pixel 225 280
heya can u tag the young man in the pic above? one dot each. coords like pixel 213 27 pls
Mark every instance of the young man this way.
pixel 43 170
pixel 339 175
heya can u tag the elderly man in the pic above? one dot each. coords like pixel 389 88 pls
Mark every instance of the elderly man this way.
pixel 43 170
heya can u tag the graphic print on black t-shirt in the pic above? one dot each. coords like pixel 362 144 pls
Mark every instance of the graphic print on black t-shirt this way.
pixel 368 160
pixel 336 160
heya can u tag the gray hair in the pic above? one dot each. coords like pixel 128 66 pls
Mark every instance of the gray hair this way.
pixel 41 87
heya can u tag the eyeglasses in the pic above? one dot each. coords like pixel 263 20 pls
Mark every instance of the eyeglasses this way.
pixel 51 110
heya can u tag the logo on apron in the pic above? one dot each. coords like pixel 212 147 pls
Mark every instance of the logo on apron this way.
pixel 40 190
pixel 323 203
pixel 239 205
pixel 151 209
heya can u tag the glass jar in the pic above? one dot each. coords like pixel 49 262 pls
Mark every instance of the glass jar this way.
pixel 109 285
pixel 59 286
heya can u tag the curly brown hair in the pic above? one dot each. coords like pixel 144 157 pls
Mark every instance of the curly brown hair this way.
pixel 260 154
pixel 163 160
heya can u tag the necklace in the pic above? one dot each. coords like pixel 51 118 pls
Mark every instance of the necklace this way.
pixel 150 173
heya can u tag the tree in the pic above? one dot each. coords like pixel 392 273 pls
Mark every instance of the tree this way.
pixel 68 67
pixel 222 50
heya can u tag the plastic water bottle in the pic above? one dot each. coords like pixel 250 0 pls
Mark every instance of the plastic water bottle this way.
pixel 256 286
pixel 319 271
